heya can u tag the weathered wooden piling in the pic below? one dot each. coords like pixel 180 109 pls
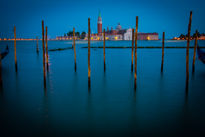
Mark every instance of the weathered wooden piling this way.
pixel 43 47
pixel 47 48
pixel 89 71
pixel 187 53
pixel 37 50
pixel 133 39
pixel 162 65
pixel 135 75
pixel 15 49
pixel 104 49
pixel 74 49
pixel 194 58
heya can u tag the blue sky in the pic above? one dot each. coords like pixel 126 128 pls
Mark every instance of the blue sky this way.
pixel 61 16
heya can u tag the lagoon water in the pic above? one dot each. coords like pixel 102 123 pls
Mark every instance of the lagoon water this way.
pixel 159 107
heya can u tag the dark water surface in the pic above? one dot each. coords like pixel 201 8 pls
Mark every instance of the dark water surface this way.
pixel 159 107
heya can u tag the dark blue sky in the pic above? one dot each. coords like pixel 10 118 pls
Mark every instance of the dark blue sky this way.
pixel 61 16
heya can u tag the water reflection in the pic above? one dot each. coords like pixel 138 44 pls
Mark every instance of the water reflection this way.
pixel 159 105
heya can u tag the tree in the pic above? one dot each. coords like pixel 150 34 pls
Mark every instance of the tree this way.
pixel 77 34
pixel 83 34
pixel 196 34
pixel 70 33
pixel 182 36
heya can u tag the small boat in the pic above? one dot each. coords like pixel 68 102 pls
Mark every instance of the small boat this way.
pixel 201 54
pixel 3 54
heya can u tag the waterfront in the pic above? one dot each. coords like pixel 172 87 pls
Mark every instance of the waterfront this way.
pixel 159 107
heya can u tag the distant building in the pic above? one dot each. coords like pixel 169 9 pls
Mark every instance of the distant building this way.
pixel 119 33
pixel 65 37
pixel 148 36
pixel 128 34
pixel 202 38
pixel 119 27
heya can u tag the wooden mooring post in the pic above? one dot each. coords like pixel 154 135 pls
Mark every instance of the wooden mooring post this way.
pixel 37 50
pixel 194 58
pixel 162 64
pixel 135 75
pixel 75 67
pixel 47 48
pixel 104 49
pixel 89 71
pixel 187 53
pixel 16 68
pixel 43 47
pixel 133 39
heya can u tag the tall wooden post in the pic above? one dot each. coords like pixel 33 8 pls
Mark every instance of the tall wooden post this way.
pixel 89 71
pixel 37 50
pixel 44 71
pixel 187 53
pixel 47 47
pixel 104 49
pixel 15 48
pixel 133 39
pixel 162 65
pixel 135 75
pixel 74 48
pixel 194 58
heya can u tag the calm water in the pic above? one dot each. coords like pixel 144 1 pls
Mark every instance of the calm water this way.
pixel 159 107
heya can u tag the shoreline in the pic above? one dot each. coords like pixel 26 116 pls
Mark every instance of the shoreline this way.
pixel 91 40
pixel 140 47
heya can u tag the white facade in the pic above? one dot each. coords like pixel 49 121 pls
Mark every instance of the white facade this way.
pixel 128 35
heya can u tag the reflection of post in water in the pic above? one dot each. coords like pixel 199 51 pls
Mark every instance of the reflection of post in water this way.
pixel 187 53
pixel 44 73
pixel 133 37
pixel 162 65
pixel 104 49
pixel 194 58
pixel 47 47
pixel 37 50
pixel 15 48
pixel 135 75
pixel 89 71
pixel 74 48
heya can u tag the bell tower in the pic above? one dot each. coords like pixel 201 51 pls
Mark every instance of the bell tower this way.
pixel 99 24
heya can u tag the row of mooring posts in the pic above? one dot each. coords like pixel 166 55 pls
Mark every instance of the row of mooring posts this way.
pixel 187 53
pixel 43 46
pixel 134 42
pixel 162 64
pixel 45 52
pixel 104 49
pixel 89 71
pixel 194 57
pixel 133 36
pixel 47 48
pixel 135 75
pixel 75 65
pixel 37 50
pixel 133 54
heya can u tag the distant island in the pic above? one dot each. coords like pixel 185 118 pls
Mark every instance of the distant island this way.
pixel 110 33
pixel 185 37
